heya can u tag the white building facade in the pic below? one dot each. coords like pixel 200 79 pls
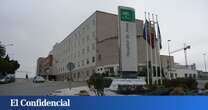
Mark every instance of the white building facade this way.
pixel 183 71
pixel 93 47
pixel 78 48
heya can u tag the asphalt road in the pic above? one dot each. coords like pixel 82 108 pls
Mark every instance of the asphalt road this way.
pixel 23 87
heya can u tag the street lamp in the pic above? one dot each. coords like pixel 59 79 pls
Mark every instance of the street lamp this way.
pixel 205 66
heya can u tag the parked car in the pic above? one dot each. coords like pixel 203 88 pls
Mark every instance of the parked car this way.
pixel 38 79
pixel 7 79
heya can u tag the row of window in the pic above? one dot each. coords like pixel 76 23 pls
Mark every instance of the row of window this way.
pixel 175 75
pixel 76 44
pixel 83 62
pixel 190 75
pixel 82 74
pixel 77 64
pixel 78 54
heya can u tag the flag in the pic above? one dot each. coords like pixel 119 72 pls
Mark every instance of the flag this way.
pixel 153 35
pixel 149 33
pixel 146 31
pixel 159 35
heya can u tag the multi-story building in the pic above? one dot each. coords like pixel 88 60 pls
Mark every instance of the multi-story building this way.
pixel 44 67
pixel 93 47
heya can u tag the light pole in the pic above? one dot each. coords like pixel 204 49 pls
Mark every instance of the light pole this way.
pixel 205 65
pixel 169 63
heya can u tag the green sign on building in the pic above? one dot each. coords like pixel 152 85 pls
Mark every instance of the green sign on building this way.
pixel 127 15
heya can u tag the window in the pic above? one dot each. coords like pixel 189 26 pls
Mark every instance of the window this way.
pixel 78 53
pixel 78 64
pixel 88 27
pixel 93 71
pixel 83 41
pixel 79 41
pixel 82 62
pixel 87 73
pixel 93 22
pixel 171 75
pixel 83 51
pixel 88 38
pixel 194 75
pixel 93 59
pixel 93 46
pixel 186 75
pixel 87 61
pixel 127 27
pixel 111 70
pixel 88 49
pixel 79 33
pixel 93 35
pixel 190 75
pixel 74 55
pixel 83 29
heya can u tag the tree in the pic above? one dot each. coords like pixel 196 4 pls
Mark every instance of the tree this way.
pixel 8 66
pixel 97 80
pixel 4 66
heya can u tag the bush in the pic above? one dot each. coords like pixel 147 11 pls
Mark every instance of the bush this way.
pixel 186 83
pixel 97 81
pixel 107 82
pixel 177 91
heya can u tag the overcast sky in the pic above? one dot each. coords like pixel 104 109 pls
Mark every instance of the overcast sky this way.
pixel 34 26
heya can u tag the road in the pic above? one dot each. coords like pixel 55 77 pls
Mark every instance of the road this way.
pixel 25 87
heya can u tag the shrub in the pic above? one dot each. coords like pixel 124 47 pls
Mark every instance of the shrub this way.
pixel 97 81
pixel 186 83
pixel 177 91
pixel 206 86
pixel 107 82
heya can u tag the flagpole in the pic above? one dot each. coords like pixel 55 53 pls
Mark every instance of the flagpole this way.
pixel 147 56
pixel 150 50
pixel 159 43
pixel 158 50
pixel 155 49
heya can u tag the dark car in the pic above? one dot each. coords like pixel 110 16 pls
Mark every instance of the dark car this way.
pixel 7 79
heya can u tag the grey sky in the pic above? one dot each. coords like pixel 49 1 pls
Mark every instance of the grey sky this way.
pixel 34 26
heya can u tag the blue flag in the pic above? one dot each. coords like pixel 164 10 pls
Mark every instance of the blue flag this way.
pixel 159 35
pixel 146 31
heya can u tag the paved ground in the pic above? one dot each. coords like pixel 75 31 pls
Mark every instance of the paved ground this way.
pixel 27 87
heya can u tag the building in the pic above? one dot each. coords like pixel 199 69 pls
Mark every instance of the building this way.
pixel 93 48
pixel 184 71
pixel 174 70
pixel 44 67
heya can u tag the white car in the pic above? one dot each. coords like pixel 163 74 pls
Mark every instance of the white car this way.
pixel 38 79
